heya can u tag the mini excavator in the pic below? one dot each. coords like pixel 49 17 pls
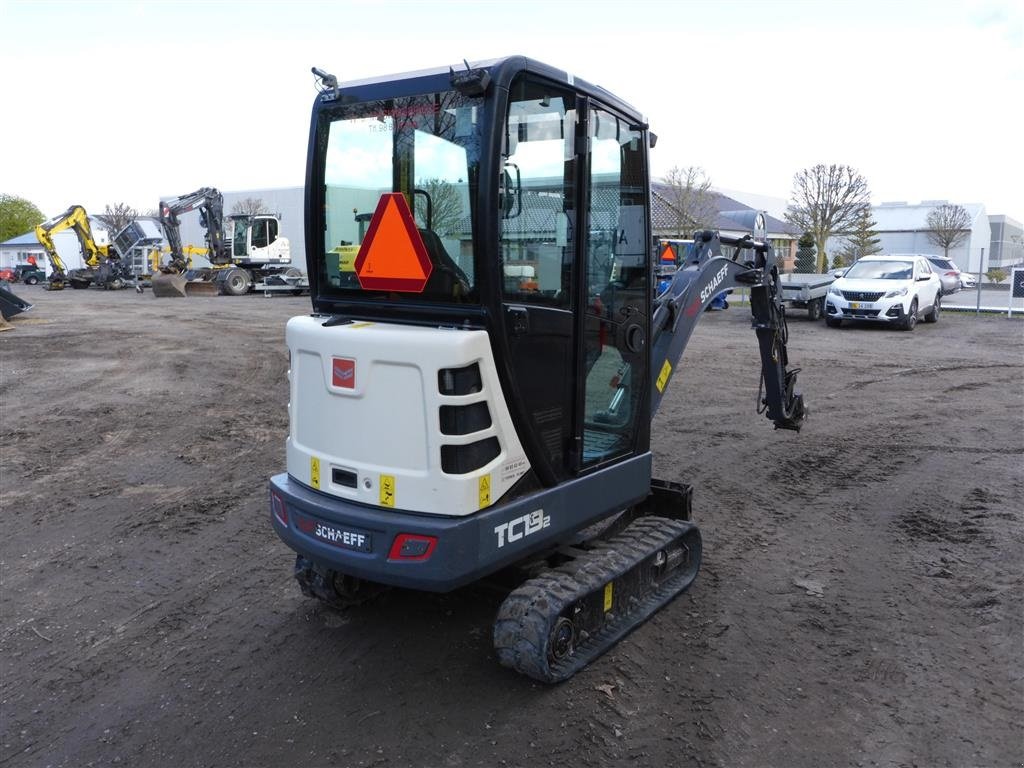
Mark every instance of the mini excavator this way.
pixel 451 421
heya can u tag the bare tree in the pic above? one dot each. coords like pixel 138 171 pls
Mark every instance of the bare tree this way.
pixel 445 206
pixel 118 216
pixel 948 226
pixel 690 199
pixel 827 199
pixel 250 206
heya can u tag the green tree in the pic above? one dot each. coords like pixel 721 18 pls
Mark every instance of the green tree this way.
pixel 805 250
pixel 996 275
pixel 827 199
pixel 862 240
pixel 17 216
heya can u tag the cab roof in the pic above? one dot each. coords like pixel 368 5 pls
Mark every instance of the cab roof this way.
pixel 501 71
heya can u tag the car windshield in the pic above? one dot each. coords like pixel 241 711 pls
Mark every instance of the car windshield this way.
pixel 880 270
pixel 942 263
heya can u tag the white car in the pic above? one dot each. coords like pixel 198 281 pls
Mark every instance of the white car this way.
pixel 967 280
pixel 885 289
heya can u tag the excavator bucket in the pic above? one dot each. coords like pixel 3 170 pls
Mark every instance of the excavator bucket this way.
pixel 175 286
pixel 168 286
pixel 201 288
pixel 11 305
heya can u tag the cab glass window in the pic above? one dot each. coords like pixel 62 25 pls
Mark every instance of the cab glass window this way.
pixel 425 147
pixel 538 187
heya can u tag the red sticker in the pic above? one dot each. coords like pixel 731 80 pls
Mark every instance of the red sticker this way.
pixel 343 372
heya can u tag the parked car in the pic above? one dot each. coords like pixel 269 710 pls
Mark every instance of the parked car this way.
pixel 885 289
pixel 967 280
pixel 949 273
pixel 29 274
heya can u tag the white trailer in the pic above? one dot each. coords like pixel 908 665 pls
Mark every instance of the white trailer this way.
pixel 806 291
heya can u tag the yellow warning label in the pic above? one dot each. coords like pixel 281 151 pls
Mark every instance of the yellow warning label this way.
pixel 608 597
pixel 666 371
pixel 387 490
pixel 350 326
pixel 484 490
pixel 314 472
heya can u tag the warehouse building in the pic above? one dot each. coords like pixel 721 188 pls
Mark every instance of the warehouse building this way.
pixel 903 228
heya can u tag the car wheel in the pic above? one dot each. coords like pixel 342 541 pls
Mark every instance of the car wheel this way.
pixel 933 314
pixel 910 319
pixel 31 280
pixel 833 322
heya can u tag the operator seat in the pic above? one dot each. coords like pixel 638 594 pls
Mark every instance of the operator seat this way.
pixel 447 280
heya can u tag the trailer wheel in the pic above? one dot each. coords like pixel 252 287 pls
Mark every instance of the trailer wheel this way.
pixel 816 309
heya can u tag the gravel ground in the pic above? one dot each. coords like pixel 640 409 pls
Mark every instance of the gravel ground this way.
pixel 860 601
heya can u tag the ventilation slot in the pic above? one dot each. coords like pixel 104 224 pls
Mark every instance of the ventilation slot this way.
pixel 464 419
pixel 459 381
pixel 460 459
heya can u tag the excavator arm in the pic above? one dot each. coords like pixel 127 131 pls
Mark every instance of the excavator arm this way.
pixel 210 204
pixel 75 218
pixel 705 274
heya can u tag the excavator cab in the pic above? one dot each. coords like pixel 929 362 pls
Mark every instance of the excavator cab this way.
pixel 529 203
pixel 473 390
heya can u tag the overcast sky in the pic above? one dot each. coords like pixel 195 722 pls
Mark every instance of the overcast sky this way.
pixel 111 102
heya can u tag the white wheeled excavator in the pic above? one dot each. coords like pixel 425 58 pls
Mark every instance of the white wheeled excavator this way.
pixel 450 421
pixel 251 248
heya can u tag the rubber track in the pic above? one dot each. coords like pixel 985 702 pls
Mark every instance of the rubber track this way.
pixel 525 620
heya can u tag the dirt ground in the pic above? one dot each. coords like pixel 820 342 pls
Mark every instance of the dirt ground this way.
pixel 860 602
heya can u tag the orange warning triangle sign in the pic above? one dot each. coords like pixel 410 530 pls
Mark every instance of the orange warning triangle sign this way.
pixel 668 253
pixel 393 256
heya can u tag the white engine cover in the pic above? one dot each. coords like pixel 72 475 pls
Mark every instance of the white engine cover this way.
pixel 365 400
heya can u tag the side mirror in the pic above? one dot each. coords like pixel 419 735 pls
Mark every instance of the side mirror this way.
pixel 510 193
pixel 924 278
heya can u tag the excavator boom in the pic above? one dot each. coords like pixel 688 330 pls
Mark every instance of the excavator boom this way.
pixel 173 280
pixel 76 218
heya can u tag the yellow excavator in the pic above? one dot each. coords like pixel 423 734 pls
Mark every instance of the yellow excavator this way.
pixel 101 266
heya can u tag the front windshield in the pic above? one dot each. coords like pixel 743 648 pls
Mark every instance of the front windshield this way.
pixel 427 148
pixel 880 270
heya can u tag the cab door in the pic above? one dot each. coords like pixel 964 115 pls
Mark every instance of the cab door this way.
pixel 537 248
pixel 574 248
pixel 616 293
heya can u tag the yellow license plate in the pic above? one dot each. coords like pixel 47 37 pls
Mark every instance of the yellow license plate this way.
pixel 854 305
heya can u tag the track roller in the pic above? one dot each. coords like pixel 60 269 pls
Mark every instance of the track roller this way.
pixel 556 623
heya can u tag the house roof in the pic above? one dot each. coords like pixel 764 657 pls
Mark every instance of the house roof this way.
pixel 29 238
pixel 663 219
